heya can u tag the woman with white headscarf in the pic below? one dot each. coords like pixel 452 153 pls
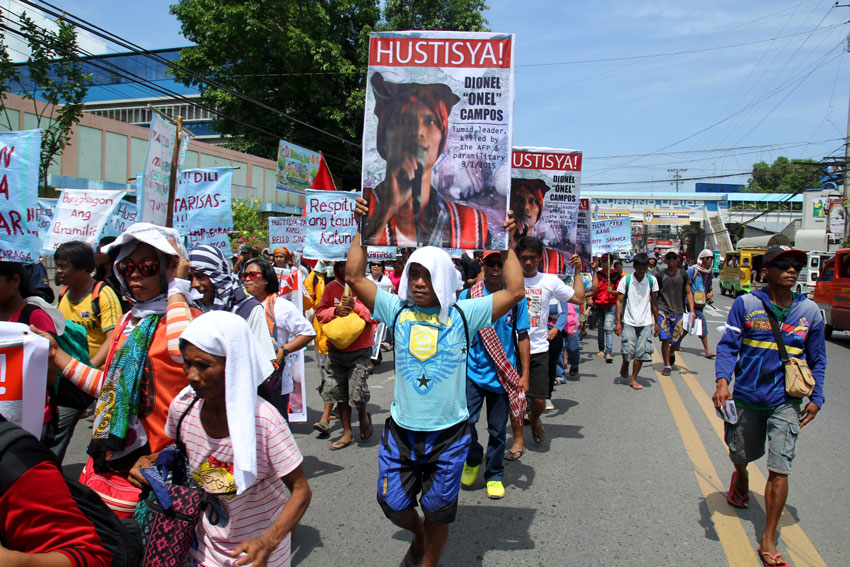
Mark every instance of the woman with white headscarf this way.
pixel 144 368
pixel 241 461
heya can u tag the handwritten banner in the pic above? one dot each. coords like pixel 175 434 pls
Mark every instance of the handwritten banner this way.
pixel 203 208
pixel 288 232
pixel 19 161
pixel 296 167
pixel 330 224
pixel 23 366
pixel 81 215
pixel 614 235
pixel 125 214
pixel 157 174
pixel 465 82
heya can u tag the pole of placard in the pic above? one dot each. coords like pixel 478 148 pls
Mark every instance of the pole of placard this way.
pixel 172 183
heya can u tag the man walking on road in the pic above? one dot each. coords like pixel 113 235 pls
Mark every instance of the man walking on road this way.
pixel 426 438
pixel 765 411
pixel 701 276
pixel 637 318
pixel 674 290
pixel 539 289
pixel 492 377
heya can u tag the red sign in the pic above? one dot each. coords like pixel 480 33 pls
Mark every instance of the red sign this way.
pixel 664 242
pixel 441 52
pixel 12 374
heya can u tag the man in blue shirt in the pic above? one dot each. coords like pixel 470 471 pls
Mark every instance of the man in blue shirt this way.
pixel 702 276
pixel 492 368
pixel 764 409
pixel 426 439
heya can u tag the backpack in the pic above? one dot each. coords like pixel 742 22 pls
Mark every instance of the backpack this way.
pixel 629 281
pixel 95 298
pixel 75 342
pixel 121 538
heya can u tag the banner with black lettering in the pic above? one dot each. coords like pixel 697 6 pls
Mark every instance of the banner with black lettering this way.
pixel 437 137
pixel 203 208
pixel 81 215
pixel 545 194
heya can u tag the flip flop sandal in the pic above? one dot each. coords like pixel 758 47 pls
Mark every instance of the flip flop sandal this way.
pixel 514 455
pixel 337 445
pixel 322 427
pixel 366 433
pixel 735 498
pixel 775 560
pixel 538 434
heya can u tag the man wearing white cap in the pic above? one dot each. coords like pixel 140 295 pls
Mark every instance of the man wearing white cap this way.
pixel 702 278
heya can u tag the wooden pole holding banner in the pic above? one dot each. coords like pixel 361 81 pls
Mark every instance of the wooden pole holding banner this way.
pixel 172 183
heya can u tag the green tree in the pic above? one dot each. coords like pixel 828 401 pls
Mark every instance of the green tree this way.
pixel 785 176
pixel 305 59
pixel 249 226
pixel 54 77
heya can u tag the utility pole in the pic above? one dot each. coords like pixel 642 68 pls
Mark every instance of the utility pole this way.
pixel 677 176
pixel 846 155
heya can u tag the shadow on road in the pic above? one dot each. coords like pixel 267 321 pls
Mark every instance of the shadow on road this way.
pixel 304 540
pixel 313 467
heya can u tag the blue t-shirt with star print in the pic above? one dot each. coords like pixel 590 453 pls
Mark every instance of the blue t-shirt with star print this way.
pixel 430 359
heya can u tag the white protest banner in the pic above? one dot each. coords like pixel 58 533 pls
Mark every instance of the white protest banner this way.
pixel 157 174
pixel 381 253
pixel 203 208
pixel 613 235
pixel 449 187
pixel 296 167
pixel 330 224
pixel 288 232
pixel 19 161
pixel 583 236
pixel 667 217
pixel 23 367
pixel 81 215
pixel 545 199
pixel 125 214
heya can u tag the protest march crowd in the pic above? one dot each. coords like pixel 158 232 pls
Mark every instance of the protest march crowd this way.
pixel 169 351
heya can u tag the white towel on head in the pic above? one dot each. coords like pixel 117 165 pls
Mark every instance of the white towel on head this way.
pixel 226 334
pixel 443 277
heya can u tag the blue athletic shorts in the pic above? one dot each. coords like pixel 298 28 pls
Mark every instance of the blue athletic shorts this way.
pixel 670 327
pixel 426 462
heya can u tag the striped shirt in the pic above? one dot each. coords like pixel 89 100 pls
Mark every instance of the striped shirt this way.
pixel 211 464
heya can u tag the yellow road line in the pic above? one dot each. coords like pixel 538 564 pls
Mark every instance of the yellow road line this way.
pixel 736 543
pixel 798 544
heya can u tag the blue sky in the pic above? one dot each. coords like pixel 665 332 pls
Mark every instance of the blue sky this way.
pixel 643 87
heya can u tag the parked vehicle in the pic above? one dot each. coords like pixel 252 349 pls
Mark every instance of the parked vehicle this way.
pixel 811 272
pixel 741 272
pixel 832 293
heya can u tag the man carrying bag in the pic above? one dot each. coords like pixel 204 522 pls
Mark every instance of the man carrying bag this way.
pixel 765 332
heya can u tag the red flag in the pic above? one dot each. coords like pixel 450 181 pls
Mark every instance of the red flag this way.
pixel 323 179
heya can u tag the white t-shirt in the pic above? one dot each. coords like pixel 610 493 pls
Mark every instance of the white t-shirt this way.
pixel 211 465
pixel 539 291
pixel 384 283
pixel 636 310
pixel 289 323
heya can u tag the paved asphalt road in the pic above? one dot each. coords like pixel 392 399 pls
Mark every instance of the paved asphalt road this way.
pixel 624 478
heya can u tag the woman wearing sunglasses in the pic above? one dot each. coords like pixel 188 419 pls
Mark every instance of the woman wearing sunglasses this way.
pixel 144 367
pixel 290 331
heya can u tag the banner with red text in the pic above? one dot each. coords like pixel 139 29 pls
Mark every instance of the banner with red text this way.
pixel 19 161
pixel 81 215
pixel 437 137
pixel 545 189
pixel 203 209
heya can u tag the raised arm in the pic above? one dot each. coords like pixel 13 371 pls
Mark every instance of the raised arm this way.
pixel 505 299
pixel 355 266
pixel 578 281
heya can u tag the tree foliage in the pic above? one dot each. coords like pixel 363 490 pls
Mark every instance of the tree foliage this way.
pixel 249 226
pixel 785 176
pixel 305 59
pixel 55 77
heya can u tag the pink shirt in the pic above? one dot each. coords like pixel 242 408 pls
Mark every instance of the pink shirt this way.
pixel 211 465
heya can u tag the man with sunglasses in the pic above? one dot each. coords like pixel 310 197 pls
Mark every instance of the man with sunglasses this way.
pixel 765 411
pixel 492 364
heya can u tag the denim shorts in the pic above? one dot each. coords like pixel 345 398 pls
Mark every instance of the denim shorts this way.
pixel 780 426
pixel 637 343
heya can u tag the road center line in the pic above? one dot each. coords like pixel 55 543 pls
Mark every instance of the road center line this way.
pixel 797 543
pixel 736 544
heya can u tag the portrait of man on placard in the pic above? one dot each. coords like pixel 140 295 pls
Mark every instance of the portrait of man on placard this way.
pixel 405 209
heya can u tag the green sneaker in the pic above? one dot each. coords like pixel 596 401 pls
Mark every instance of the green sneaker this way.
pixel 469 475
pixel 495 490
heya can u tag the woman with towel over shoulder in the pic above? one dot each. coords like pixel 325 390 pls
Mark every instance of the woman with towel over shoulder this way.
pixel 249 464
